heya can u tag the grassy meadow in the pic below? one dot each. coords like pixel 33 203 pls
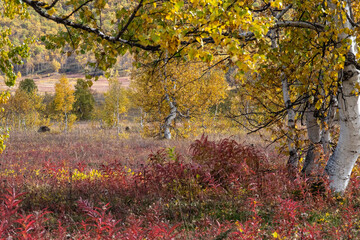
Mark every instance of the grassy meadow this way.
pixel 46 83
pixel 92 184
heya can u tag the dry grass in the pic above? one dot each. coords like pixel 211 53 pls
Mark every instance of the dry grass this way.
pixel 46 83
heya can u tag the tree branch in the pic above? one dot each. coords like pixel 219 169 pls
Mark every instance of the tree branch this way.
pixel 282 13
pixel 36 6
pixel 354 24
pixel 71 39
pixel 300 24
pixel 46 6
pixel 247 36
pixel 282 24
pixel 77 9
pixel 130 20
pixel 52 5
pixel 264 8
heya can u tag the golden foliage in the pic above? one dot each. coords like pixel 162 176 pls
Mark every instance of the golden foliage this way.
pixel 192 90
pixel 63 102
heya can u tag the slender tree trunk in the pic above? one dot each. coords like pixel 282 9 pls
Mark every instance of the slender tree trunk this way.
pixel 66 122
pixel 117 115
pixel 141 119
pixel 169 119
pixel 172 104
pixel 118 122
pixel 293 160
pixel 216 111
pixel 293 155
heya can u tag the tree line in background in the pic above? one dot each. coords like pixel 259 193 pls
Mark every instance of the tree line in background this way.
pixel 43 60
pixel 184 100
pixel 26 108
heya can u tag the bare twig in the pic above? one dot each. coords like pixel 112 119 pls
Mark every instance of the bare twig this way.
pixel 131 18
pixel 77 9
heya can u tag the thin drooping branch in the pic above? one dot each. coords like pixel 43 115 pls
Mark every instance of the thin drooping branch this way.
pixel 130 20
pixel 70 35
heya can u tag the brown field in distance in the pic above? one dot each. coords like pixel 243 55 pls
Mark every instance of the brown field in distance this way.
pixel 46 83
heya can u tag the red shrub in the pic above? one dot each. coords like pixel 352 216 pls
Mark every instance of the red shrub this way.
pixel 227 159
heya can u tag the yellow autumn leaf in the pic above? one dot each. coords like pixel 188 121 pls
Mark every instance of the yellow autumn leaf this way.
pixel 52 11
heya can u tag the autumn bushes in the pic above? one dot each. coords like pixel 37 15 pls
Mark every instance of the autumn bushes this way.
pixel 211 189
pixel 169 196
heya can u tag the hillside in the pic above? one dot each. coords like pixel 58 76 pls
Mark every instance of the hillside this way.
pixel 49 61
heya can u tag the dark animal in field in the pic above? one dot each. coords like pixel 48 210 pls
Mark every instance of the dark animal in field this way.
pixel 127 129
pixel 44 129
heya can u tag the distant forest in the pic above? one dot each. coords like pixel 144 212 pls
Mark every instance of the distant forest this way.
pixel 45 61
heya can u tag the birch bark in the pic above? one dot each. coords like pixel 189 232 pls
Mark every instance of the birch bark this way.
pixel 172 104
pixel 314 135
pixel 293 155
pixel 341 163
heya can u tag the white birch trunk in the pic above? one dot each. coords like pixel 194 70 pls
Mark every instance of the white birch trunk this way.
pixel 341 163
pixel 329 121
pixel 293 160
pixel 312 125
pixel 141 119
pixel 169 119
pixel 314 135
pixel 66 121
pixel 293 156
pixel 118 113
pixel 172 104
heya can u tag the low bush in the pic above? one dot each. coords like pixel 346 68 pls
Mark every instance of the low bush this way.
pixel 218 190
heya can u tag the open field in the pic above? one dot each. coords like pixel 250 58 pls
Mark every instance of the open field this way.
pixel 90 184
pixel 46 83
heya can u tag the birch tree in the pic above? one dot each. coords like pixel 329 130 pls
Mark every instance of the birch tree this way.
pixel 116 104
pixel 310 52
pixel 184 92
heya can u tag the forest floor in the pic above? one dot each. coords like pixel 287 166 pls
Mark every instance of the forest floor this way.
pixel 91 184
